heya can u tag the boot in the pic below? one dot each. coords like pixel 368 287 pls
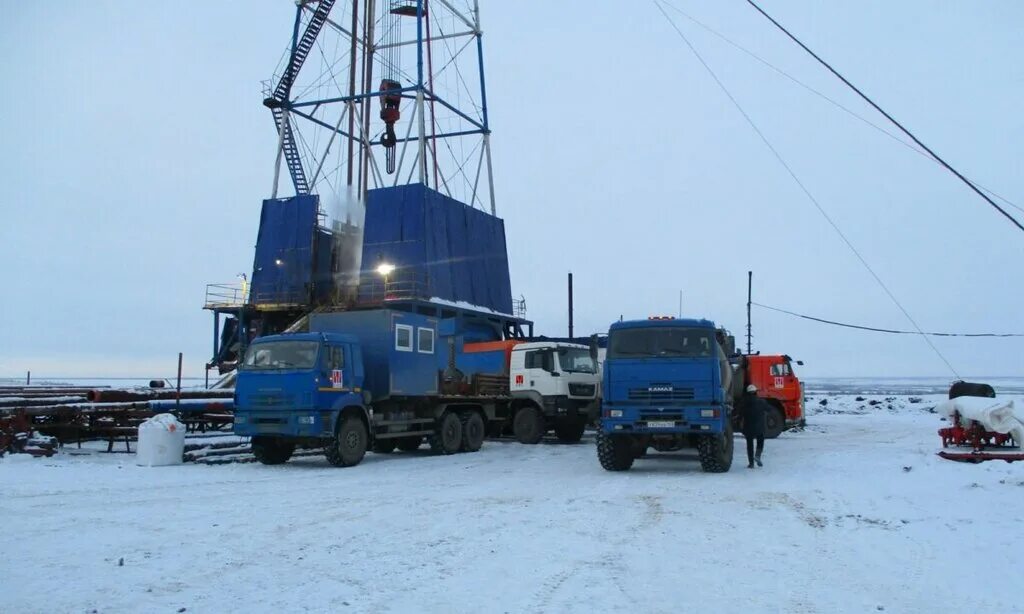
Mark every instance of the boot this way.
pixel 757 459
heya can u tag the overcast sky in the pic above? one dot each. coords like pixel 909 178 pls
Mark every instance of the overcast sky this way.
pixel 137 152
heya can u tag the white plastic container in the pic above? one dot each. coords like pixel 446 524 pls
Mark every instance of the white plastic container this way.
pixel 161 442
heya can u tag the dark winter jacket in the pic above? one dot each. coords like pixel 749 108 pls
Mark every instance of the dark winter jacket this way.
pixel 752 411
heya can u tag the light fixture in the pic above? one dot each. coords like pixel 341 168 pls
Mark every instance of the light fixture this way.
pixel 279 262
pixel 385 269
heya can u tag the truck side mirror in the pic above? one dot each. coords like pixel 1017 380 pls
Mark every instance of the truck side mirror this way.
pixel 593 348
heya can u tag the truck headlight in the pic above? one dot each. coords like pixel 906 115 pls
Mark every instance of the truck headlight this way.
pixel 241 419
pixel 709 413
pixel 615 413
pixel 306 419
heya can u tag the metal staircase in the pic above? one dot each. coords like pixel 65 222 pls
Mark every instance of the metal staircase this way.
pixel 278 101
pixel 291 152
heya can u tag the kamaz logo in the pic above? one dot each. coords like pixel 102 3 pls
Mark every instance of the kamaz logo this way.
pixel 660 389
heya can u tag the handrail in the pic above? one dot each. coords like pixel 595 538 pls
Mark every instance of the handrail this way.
pixel 226 295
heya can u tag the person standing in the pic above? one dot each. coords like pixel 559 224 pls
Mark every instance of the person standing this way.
pixel 753 411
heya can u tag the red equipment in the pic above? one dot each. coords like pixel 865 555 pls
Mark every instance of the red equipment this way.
pixel 985 445
pixel 390 114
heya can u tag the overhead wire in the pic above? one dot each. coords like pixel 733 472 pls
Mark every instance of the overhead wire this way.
pixel 881 330
pixel 828 99
pixel 803 188
pixel 905 131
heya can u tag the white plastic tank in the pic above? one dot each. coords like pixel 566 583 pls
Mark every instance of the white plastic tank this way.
pixel 161 442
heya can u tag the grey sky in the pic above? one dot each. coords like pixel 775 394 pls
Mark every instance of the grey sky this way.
pixel 137 153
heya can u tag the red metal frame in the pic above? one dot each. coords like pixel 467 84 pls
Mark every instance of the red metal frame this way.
pixel 985 445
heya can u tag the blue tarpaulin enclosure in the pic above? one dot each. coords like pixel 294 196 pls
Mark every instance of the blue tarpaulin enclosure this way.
pixel 457 253
pixel 284 269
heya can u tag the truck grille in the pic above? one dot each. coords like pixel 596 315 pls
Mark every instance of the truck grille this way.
pixel 667 395
pixel 269 401
pixel 581 390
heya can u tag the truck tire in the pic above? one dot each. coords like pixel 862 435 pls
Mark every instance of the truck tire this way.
pixel 614 452
pixel 774 422
pixel 409 444
pixel 473 430
pixel 271 450
pixel 715 451
pixel 528 425
pixel 570 431
pixel 384 446
pixel 447 439
pixel 348 447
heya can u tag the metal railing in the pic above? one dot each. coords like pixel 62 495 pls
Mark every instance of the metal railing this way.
pixel 226 295
pixel 377 291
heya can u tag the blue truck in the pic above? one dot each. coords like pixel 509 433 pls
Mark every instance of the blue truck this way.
pixel 667 384
pixel 381 379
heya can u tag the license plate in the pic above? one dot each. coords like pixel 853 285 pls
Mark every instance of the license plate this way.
pixel 661 424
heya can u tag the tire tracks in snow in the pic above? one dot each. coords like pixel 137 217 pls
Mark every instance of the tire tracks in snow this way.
pixel 605 567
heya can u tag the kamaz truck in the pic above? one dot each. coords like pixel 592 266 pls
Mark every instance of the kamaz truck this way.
pixel 383 379
pixel 666 385
pixel 778 384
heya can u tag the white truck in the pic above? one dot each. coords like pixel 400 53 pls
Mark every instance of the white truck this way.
pixel 554 386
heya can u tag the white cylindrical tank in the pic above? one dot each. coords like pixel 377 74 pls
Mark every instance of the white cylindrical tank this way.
pixel 161 442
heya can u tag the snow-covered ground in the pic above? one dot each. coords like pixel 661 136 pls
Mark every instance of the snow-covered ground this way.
pixel 853 514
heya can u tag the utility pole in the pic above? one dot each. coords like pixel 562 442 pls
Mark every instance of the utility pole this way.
pixel 750 285
pixel 570 307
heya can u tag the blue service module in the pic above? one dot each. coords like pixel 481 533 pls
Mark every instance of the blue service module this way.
pixel 457 252
pixel 293 254
pixel 404 353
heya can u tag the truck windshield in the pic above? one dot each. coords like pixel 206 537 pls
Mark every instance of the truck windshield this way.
pixel 281 355
pixel 576 360
pixel 661 341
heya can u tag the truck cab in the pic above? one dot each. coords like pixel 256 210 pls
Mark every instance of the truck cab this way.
pixel 553 386
pixel 295 389
pixel 778 384
pixel 666 385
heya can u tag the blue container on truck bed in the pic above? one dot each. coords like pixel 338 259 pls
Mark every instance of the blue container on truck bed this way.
pixel 378 378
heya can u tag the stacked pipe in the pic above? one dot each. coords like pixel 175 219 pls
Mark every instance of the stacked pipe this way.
pixel 81 414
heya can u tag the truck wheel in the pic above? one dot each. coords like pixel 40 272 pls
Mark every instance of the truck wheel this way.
pixel 384 446
pixel 774 423
pixel 570 431
pixel 447 439
pixel 409 444
pixel 271 450
pixel 349 447
pixel 473 430
pixel 614 452
pixel 715 451
pixel 528 425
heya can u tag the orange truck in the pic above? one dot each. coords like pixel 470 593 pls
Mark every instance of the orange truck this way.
pixel 777 384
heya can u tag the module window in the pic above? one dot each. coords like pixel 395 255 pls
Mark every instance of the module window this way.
pixel 403 338
pixel 426 340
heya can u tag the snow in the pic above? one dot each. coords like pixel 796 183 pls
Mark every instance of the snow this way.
pixel 11 401
pixel 854 513
pixel 467 305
